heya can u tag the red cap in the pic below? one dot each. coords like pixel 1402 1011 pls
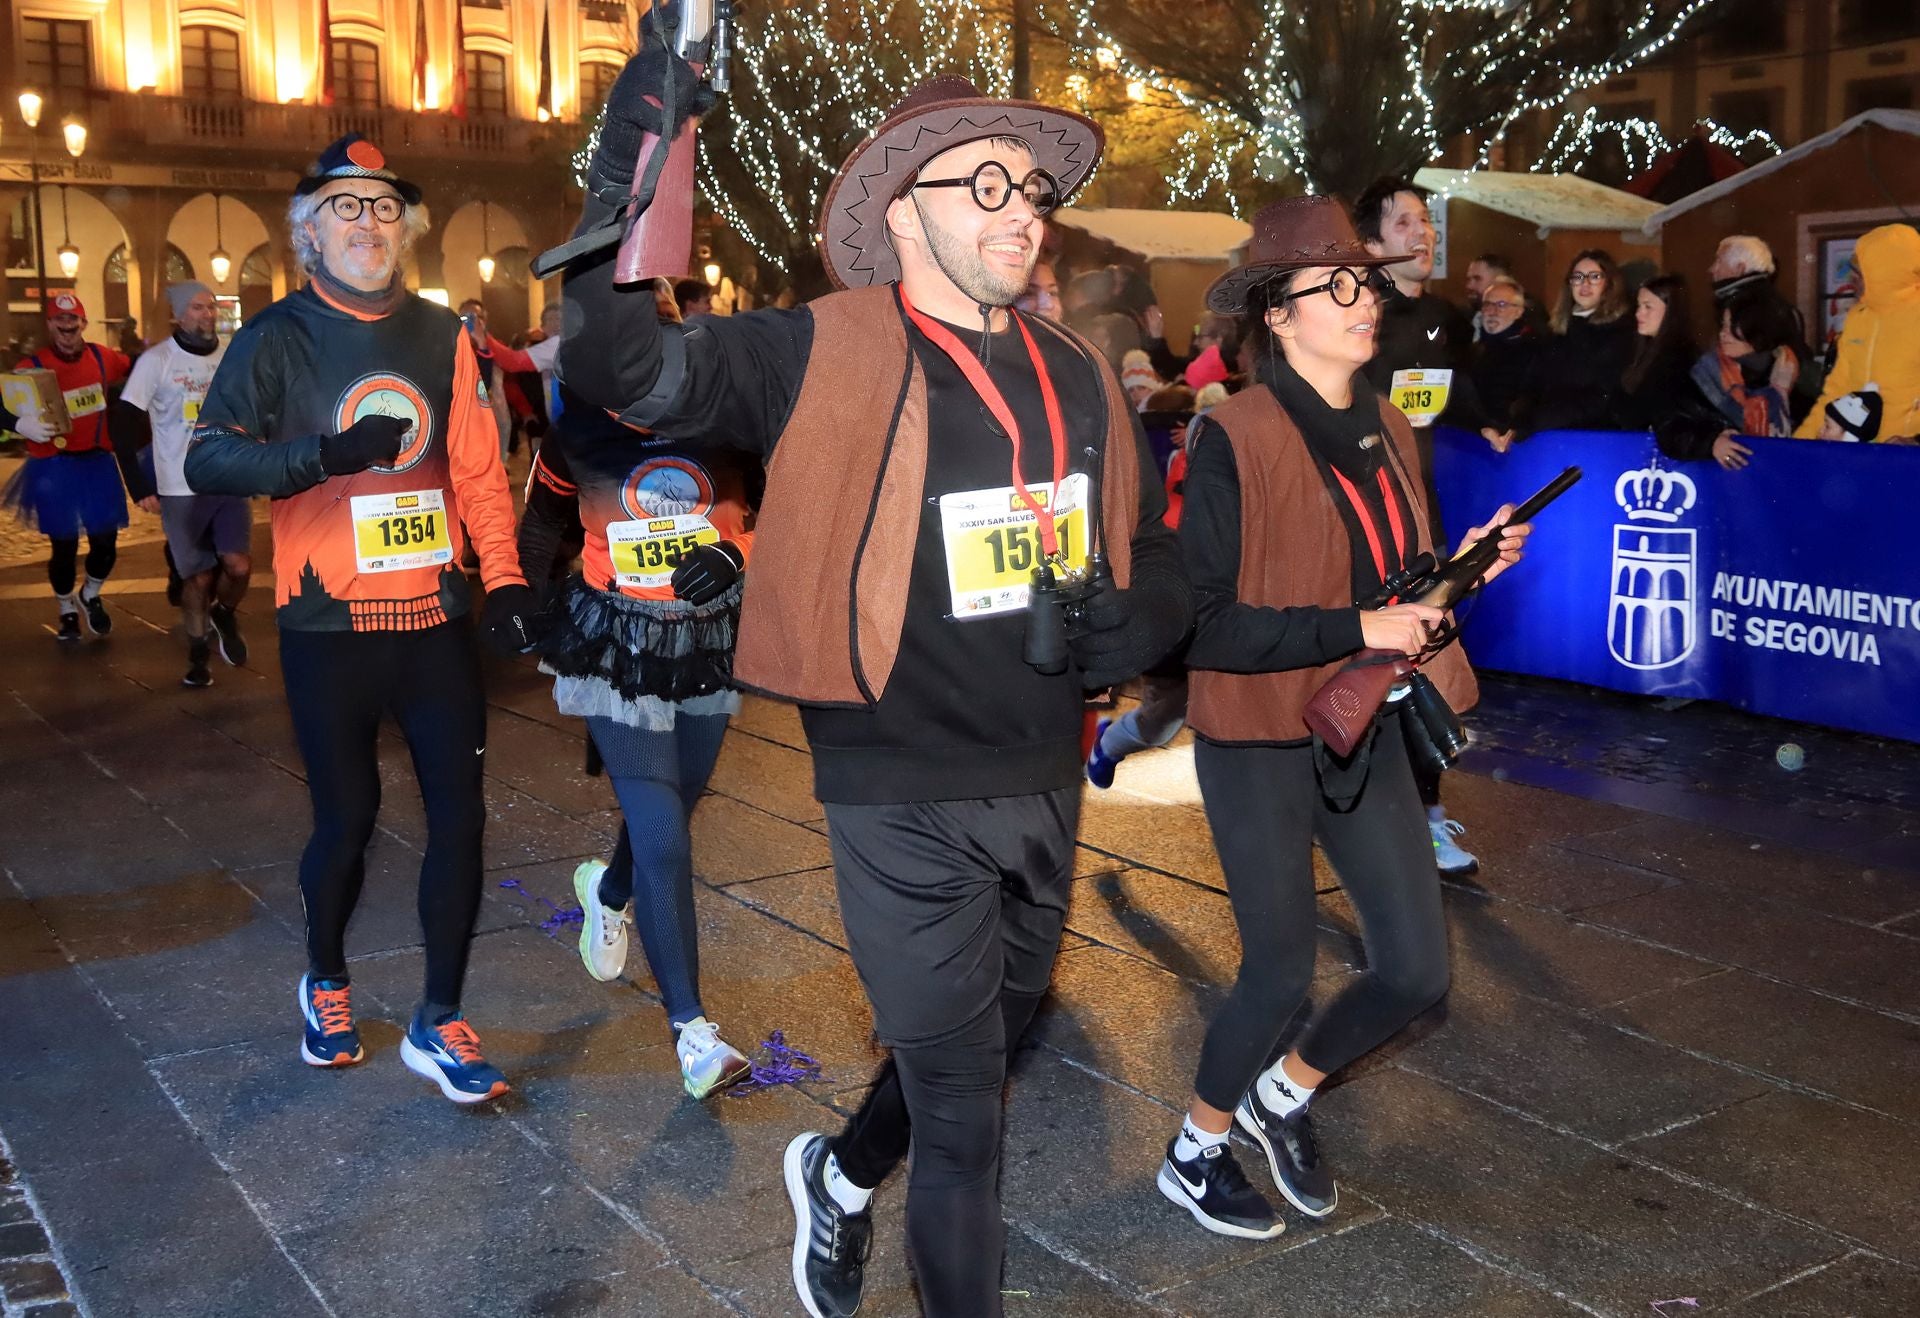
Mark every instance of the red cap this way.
pixel 66 303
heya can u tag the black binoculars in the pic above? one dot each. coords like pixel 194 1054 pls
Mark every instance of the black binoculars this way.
pixel 1054 603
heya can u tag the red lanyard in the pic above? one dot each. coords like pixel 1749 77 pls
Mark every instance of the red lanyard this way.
pixel 983 385
pixel 1366 519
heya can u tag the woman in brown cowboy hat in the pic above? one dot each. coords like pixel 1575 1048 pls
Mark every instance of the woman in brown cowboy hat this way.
pixel 928 449
pixel 1302 496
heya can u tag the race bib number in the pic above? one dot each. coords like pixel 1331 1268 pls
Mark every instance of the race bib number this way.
pixel 1421 394
pixel 993 543
pixel 393 532
pixel 85 400
pixel 645 552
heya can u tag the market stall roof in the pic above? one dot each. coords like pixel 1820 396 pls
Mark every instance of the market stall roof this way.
pixel 1896 121
pixel 1161 235
pixel 1550 201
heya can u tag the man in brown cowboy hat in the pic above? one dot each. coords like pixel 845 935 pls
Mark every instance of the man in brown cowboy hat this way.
pixel 929 449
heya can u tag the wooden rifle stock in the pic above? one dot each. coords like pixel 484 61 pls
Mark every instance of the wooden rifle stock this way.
pixel 661 240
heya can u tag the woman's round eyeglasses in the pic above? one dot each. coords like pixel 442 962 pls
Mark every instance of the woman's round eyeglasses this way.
pixel 992 187
pixel 1343 286
pixel 348 206
pixel 1587 277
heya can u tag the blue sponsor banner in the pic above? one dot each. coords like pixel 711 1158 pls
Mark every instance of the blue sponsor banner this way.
pixel 1790 588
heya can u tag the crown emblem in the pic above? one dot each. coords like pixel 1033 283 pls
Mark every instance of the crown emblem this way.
pixel 1650 494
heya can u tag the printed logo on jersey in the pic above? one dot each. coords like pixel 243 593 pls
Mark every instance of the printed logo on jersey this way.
pixel 667 487
pixel 383 393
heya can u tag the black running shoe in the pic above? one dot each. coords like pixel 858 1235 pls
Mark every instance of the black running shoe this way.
pixel 226 635
pixel 197 656
pixel 829 1244
pixel 69 627
pixel 1214 1189
pixel 96 610
pixel 1291 1153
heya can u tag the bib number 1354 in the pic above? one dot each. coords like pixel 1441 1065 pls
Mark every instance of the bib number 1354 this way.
pixel 392 532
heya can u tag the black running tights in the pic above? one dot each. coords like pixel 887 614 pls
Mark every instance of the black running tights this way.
pixel 658 778
pixel 340 685
pixel 1265 808
pixel 103 548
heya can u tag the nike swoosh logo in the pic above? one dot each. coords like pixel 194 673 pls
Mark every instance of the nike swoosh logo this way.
pixel 1195 1188
pixel 1433 334
pixel 481 751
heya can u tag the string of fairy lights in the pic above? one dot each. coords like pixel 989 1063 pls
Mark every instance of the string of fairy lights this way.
pixel 1576 139
pixel 1480 42
pixel 811 76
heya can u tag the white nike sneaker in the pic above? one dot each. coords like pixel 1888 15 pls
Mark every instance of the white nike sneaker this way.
pixel 603 932
pixel 708 1062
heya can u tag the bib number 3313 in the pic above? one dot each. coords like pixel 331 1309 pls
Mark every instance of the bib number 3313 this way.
pixel 993 543
pixel 393 532
pixel 1422 395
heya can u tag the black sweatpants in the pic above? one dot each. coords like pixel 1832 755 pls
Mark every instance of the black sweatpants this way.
pixel 340 685
pixel 953 911
pixel 1265 807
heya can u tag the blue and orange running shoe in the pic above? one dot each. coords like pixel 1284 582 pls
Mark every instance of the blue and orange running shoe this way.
pixel 331 1038
pixel 1100 765
pixel 449 1055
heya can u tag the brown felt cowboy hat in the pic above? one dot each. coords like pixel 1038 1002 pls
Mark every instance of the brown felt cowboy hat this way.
pixel 1292 234
pixel 936 116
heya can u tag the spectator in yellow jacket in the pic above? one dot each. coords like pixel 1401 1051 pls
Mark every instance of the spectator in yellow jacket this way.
pixel 1880 341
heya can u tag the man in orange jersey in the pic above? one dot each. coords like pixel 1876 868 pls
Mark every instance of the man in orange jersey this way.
pixel 360 408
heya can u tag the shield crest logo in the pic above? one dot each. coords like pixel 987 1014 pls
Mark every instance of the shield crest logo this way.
pixel 1651 610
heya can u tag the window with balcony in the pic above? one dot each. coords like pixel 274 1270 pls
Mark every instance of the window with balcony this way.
pixel 356 73
pixel 1743 111
pixel 486 85
pixel 56 57
pixel 1749 27
pixel 1868 22
pixel 1865 94
pixel 210 63
pixel 596 80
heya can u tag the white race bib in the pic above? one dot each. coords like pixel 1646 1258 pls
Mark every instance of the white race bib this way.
pixel 993 543
pixel 86 400
pixel 1421 394
pixel 646 551
pixel 393 532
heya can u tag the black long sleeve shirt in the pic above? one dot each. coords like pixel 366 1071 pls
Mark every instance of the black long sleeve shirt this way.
pixel 962 716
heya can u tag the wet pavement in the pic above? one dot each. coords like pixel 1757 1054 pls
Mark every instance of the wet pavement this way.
pixel 1679 1071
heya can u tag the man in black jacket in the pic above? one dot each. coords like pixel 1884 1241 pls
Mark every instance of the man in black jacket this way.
pixel 1423 365
pixel 933 449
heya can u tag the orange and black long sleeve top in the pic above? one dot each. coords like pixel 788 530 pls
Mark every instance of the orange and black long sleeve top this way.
pixel 643 499
pixel 378 550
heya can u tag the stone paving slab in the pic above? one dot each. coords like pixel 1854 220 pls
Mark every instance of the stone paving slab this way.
pixel 1609 1231
pixel 1858 1285
pixel 1791 1152
pixel 1618 1106
pixel 1851 1053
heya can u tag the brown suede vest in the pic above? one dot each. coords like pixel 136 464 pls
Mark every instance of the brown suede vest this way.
pixel 1294 550
pixel 826 596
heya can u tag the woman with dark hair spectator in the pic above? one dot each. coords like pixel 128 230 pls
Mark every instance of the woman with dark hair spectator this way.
pixel 1654 385
pixel 1503 354
pixel 1743 386
pixel 1577 372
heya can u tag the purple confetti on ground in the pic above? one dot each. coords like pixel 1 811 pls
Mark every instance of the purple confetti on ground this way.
pixel 561 917
pixel 777 1064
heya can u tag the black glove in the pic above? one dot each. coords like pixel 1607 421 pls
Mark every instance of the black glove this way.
pixel 1100 638
pixel 372 441
pixel 629 116
pixel 705 571
pixel 511 619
